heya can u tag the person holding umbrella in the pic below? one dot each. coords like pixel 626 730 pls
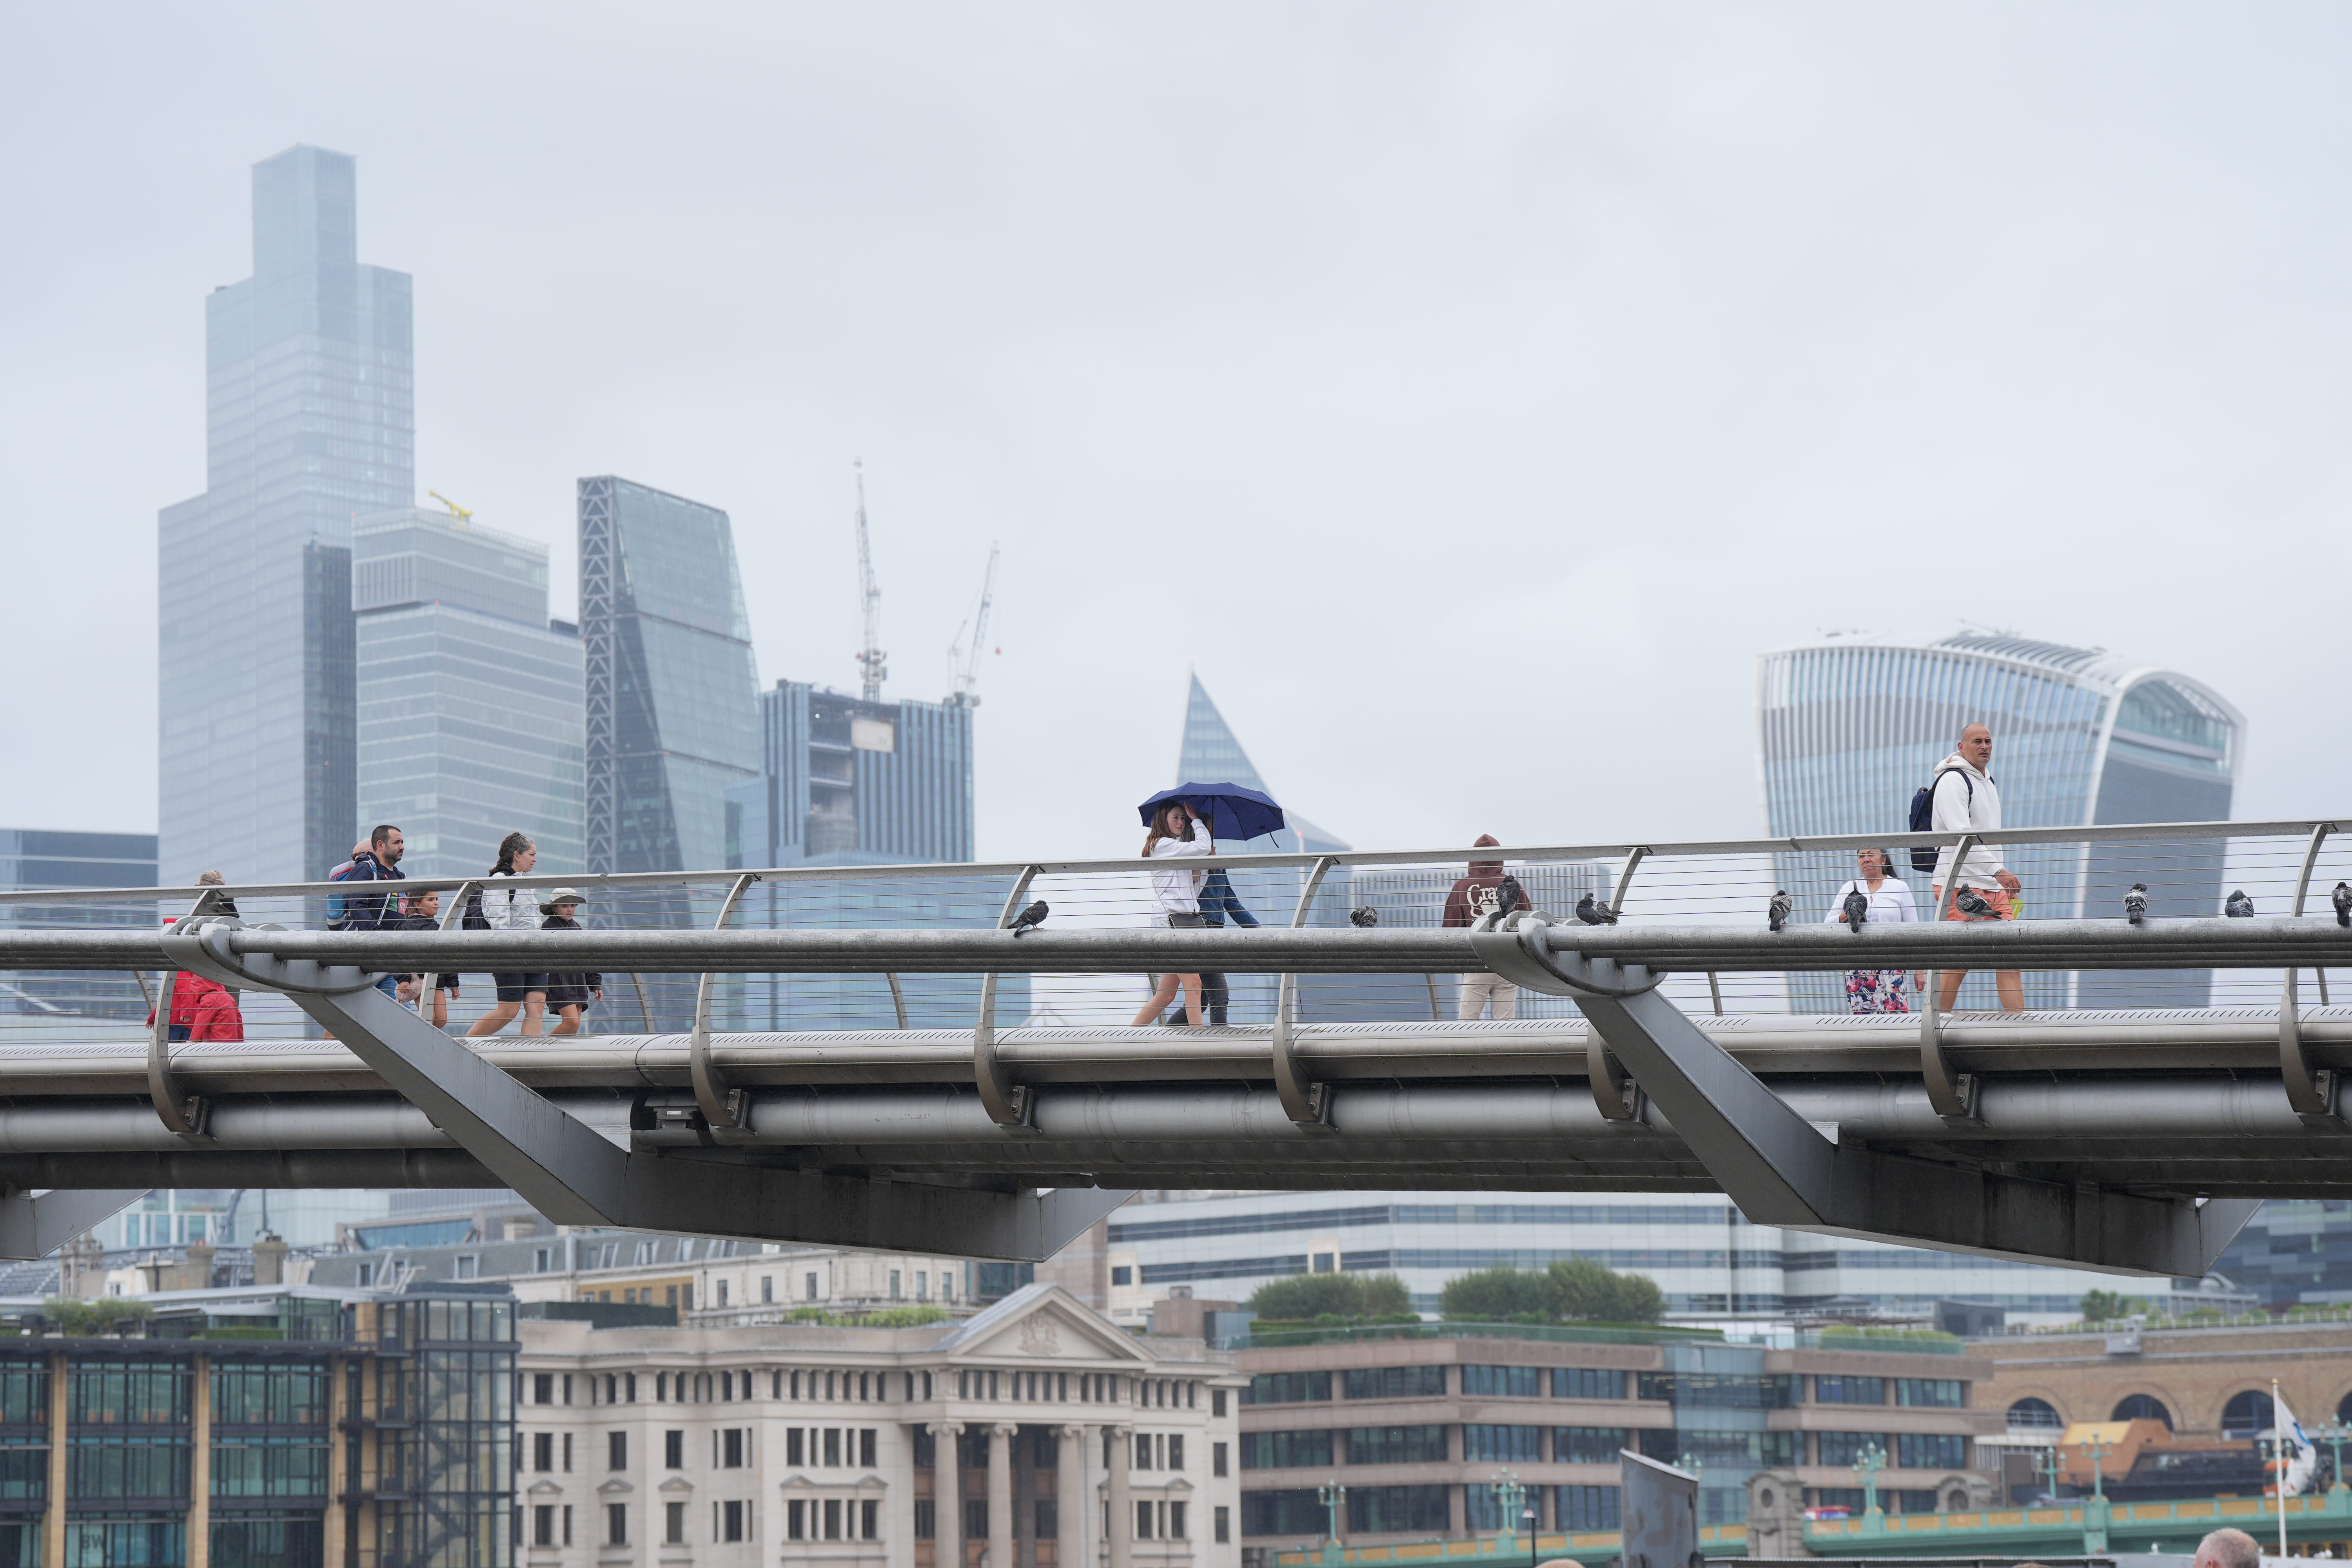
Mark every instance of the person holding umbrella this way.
pixel 1177 830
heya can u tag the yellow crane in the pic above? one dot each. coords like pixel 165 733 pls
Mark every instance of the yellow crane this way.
pixel 459 512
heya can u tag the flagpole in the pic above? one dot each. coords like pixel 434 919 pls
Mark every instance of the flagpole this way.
pixel 2278 1448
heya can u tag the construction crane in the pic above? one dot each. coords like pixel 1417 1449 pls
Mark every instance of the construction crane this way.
pixel 875 663
pixel 459 512
pixel 966 665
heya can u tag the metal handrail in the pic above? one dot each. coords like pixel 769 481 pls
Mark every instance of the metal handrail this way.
pixel 2156 832
pixel 2310 1089
pixel 1305 1102
pixel 1007 1102
pixel 720 1107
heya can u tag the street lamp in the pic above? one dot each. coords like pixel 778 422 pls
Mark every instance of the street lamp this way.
pixel 1331 1494
pixel 1508 1495
pixel 2335 1433
pixel 1867 1464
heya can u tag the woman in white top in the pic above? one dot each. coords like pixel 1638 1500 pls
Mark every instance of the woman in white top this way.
pixel 1875 990
pixel 1176 889
pixel 511 907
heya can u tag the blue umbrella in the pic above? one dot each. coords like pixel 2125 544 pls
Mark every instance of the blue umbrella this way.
pixel 1233 811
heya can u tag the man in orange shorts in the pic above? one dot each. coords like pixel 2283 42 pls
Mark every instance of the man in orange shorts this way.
pixel 1966 801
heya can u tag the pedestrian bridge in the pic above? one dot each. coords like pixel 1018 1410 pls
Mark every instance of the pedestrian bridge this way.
pixel 1666 1051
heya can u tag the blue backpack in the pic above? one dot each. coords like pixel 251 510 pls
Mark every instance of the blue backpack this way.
pixel 1923 815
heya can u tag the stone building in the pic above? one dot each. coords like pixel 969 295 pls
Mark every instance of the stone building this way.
pixel 2200 1383
pixel 819 1444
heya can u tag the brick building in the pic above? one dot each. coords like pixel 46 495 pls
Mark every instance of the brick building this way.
pixel 2201 1382
pixel 1418 1429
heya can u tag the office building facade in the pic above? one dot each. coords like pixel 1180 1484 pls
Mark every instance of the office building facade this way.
pixel 277 1426
pixel 1418 1430
pixel 1032 1436
pixel 311 423
pixel 471 718
pixel 1846 730
pixel 32 858
pixel 673 714
pixel 844 782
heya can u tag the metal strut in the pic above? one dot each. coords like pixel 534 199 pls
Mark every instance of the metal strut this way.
pixel 1614 1093
pixel 722 1107
pixel 183 1113
pixel 1307 1103
pixel 1009 1104
pixel 2310 1090
pixel 1952 1094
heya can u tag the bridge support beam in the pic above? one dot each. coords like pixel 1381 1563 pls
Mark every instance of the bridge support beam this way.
pixel 1782 1170
pixel 33 1224
pixel 575 1175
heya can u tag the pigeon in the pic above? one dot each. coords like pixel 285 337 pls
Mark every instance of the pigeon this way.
pixel 1969 902
pixel 1777 911
pixel 1510 895
pixel 2239 907
pixel 2343 900
pixel 1364 915
pixel 2135 903
pixel 1031 918
pixel 1593 912
pixel 1857 908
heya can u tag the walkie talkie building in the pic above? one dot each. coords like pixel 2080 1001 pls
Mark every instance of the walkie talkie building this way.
pixel 1847 730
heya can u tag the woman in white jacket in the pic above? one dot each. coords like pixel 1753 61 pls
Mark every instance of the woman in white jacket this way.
pixel 1176 832
pixel 511 907
pixel 1890 901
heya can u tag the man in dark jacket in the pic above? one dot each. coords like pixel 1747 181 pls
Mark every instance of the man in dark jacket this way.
pixel 379 862
pixel 1219 903
pixel 1471 897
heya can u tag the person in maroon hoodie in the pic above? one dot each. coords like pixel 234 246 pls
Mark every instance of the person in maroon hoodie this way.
pixel 1471 897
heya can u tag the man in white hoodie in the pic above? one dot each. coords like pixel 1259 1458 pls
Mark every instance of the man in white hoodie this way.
pixel 1966 802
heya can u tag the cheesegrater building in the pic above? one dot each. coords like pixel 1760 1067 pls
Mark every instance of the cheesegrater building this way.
pixel 1847 730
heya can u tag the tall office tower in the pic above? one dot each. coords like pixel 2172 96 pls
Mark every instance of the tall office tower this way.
pixel 673 704
pixel 471 706
pixel 844 782
pixel 31 860
pixel 1848 729
pixel 309 424
pixel 672 696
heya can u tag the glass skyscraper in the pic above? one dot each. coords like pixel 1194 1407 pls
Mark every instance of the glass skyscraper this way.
pixel 673 707
pixel 309 424
pixel 470 701
pixel 1847 730
pixel 844 782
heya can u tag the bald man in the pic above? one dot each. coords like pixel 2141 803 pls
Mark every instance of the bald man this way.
pixel 1966 802
pixel 2228 1548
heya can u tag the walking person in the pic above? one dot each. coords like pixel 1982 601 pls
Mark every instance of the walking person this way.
pixel 379 862
pixel 512 908
pixel 1219 903
pixel 1177 831
pixel 568 994
pixel 1890 902
pixel 425 914
pixel 1966 801
pixel 1471 897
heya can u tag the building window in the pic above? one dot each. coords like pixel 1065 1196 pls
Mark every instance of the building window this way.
pixel 1176 1527
pixel 1511 1382
pixel 832 1519
pixel 767 1288
pixel 673 1524
pixel 567 1453
pixel 1049 1518
pixel 722 1293
pixel 469 1265
pixel 866 1447
pixel 1394 1381
pixel 1285 1387
pixel 1224 1525
pixel 616 1524
pixel 927 1519
pixel 542 1525
pixel 542 1451
pixel 1122 1275
pixel 1217 1402
pixel 1484 1441
pixel 617 1450
pixel 541 1261
pixel 674 1450
pixel 1422 1509
pixel 809 1281
pixel 975 1519
pixel 1586 1444
pixel 567 1524
pixel 1293 1450
pixel 1176 1450
pixel 1841 1450
pixel 1573 1382
pixel 733 1441
pixel 730 1522
pixel 869 1520
pixel 1936 1393
pixel 1585 1507
pixel 542 1388
pixel 922 1286
pixel 1419 1445
pixel 894 1284
pixel 1932 1450
pixel 796 1519
pixel 1143 1512
pixel 1217 1459
pixel 1829 1390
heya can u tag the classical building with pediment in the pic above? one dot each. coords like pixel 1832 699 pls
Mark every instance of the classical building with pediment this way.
pixel 808 1443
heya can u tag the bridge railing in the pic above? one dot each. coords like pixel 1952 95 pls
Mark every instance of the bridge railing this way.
pixel 2188 869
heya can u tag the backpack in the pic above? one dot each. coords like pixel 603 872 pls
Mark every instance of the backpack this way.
pixel 338 916
pixel 474 919
pixel 1922 815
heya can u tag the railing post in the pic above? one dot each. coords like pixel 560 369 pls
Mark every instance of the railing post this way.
pixel 1613 1090
pixel 2310 1090
pixel 1009 1104
pixel 1949 1093
pixel 720 1106
pixel 450 917
pixel 898 999
pixel 182 1113
pixel 1307 1103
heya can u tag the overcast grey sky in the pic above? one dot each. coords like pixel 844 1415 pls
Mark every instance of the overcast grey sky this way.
pixel 1471 391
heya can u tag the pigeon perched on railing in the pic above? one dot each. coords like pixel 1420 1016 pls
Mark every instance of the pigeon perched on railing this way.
pixel 2135 903
pixel 1593 912
pixel 1857 908
pixel 2239 907
pixel 2342 899
pixel 1031 918
pixel 1776 913
pixel 1969 902
pixel 1364 915
pixel 1510 895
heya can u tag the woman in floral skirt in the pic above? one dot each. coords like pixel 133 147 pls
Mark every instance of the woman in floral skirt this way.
pixel 1875 990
